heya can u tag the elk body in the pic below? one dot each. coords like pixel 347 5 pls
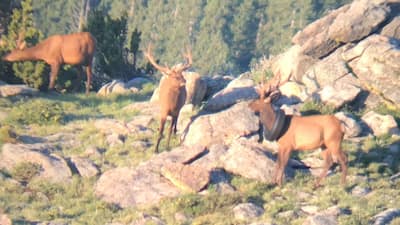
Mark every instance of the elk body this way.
pixel 73 49
pixel 172 93
pixel 303 133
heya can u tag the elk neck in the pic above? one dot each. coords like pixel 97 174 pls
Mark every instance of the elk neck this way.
pixel 267 116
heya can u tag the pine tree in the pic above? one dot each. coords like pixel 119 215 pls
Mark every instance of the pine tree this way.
pixel 22 26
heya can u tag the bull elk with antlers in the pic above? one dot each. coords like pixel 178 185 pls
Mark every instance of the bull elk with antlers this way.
pixel 73 49
pixel 172 92
pixel 299 133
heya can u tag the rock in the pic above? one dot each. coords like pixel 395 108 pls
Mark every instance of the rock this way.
pixel 215 84
pixel 359 20
pixel 385 217
pixel 114 87
pixel 310 209
pixel 374 60
pixel 145 108
pixel 112 126
pixel 293 91
pixel 330 95
pixel 13 90
pixel 248 159
pixel 53 167
pixel 137 82
pixel 240 89
pixel 147 219
pixel 4 219
pixel 127 187
pixel 85 167
pixel 246 211
pixel 360 191
pixel 321 220
pixel 392 29
pixel 189 178
pixel 222 127
pixel 331 70
pixel 326 217
pixel 352 128
pixel 314 39
pixel 212 158
pixel 115 139
pixel 380 124
pixel 196 88
pixel 292 64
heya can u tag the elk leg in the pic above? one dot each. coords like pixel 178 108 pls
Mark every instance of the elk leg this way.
pixel 78 78
pixel 160 134
pixel 53 75
pixel 283 158
pixel 172 127
pixel 341 157
pixel 327 164
pixel 88 78
pixel 343 166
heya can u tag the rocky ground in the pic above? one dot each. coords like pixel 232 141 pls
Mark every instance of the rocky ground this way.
pixel 345 63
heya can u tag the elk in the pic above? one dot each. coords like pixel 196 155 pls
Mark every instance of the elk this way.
pixel 73 49
pixel 172 92
pixel 299 133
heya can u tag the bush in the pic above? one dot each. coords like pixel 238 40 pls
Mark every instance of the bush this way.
pixel 37 112
pixel 25 171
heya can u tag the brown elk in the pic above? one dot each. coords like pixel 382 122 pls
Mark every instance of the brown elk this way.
pixel 73 49
pixel 300 133
pixel 172 92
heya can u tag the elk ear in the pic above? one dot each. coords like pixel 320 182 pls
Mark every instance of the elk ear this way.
pixel 254 106
pixel 268 100
pixel 22 46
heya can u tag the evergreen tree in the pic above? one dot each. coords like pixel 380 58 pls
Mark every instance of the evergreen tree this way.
pixel 22 27
pixel 111 36
pixel 243 29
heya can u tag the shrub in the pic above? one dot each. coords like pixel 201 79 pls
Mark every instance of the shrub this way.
pixel 25 171
pixel 38 112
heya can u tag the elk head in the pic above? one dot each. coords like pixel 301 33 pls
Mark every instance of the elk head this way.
pixel 175 72
pixel 20 45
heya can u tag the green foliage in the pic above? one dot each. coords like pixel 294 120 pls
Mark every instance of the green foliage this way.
pixel 7 134
pixel 225 36
pixel 22 26
pixel 37 112
pixel 111 35
pixel 25 171
pixel 314 107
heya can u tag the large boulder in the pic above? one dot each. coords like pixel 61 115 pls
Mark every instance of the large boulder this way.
pixel 144 184
pixel 347 24
pixel 223 127
pixel 53 167
pixel 13 90
pixel 250 160
pixel 375 61
pixel 240 89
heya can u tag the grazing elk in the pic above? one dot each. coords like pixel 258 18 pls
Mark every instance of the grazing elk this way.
pixel 172 92
pixel 73 49
pixel 299 133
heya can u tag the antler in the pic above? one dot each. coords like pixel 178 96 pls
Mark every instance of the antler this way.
pixel 20 42
pixel 162 69
pixel 188 56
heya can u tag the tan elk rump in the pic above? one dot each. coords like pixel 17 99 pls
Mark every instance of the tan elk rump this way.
pixel 73 49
